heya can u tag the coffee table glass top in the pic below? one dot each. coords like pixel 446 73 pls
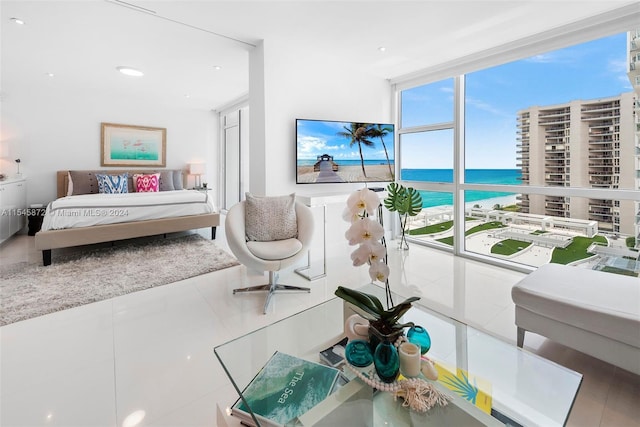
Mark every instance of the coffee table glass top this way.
pixel 525 388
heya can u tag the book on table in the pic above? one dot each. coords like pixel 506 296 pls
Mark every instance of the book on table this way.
pixel 285 388
pixel 334 355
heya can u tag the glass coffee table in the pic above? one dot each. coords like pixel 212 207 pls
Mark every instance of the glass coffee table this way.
pixel 526 389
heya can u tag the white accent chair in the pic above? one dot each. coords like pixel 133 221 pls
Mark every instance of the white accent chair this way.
pixel 271 256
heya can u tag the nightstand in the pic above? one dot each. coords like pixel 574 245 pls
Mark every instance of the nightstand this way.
pixel 203 189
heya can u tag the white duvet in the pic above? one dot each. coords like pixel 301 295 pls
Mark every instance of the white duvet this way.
pixel 96 209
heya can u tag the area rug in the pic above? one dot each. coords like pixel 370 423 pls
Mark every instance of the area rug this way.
pixel 30 290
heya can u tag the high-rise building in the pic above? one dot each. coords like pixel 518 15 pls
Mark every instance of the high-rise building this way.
pixel 582 143
pixel 633 71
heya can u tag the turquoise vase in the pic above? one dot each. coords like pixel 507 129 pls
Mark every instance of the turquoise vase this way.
pixel 420 337
pixel 386 361
pixel 376 337
pixel 358 353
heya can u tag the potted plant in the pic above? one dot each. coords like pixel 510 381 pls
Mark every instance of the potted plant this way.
pixel 407 201
pixel 384 327
pixel 385 322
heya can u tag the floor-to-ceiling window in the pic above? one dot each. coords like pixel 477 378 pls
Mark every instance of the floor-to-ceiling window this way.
pixel 549 153
pixel 426 151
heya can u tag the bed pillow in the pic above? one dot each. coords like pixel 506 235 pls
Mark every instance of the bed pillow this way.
pixel 270 218
pixel 112 184
pixel 177 180
pixel 69 184
pixel 147 183
pixel 166 181
pixel 84 182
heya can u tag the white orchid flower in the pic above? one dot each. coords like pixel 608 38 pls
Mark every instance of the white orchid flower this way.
pixel 351 216
pixel 372 251
pixel 365 230
pixel 379 271
pixel 363 200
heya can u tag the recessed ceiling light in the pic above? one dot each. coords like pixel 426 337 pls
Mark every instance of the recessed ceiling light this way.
pixel 186 95
pixel 128 71
pixel 49 74
pixel 17 21
pixel 217 67
pixel 382 49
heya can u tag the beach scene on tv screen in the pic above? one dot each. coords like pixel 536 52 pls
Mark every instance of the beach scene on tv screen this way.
pixel 330 152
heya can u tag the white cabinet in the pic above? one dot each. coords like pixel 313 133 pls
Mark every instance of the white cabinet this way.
pixel 13 207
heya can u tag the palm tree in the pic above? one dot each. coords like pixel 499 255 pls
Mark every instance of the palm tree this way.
pixel 358 134
pixel 380 132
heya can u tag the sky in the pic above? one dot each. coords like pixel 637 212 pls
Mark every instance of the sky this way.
pixel 591 70
pixel 317 137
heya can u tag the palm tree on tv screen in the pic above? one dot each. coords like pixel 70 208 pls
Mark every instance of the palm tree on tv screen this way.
pixel 358 134
pixel 380 131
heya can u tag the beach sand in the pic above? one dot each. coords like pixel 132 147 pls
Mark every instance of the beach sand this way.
pixel 349 173
pixel 484 203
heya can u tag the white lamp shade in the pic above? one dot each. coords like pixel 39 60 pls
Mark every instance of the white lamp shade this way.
pixel 196 168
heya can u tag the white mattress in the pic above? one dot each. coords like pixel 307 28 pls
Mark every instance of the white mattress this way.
pixel 97 209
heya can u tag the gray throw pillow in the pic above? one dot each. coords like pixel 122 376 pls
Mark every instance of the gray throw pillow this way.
pixel 166 180
pixel 177 180
pixel 84 182
pixel 270 218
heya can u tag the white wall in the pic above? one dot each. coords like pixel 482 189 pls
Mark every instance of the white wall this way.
pixel 55 127
pixel 304 84
pixel 286 84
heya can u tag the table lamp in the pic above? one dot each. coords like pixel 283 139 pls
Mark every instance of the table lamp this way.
pixel 198 170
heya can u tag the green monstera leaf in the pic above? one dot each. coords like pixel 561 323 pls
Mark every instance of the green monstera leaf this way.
pixel 405 201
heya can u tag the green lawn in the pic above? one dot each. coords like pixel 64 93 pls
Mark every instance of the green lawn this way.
pixel 630 241
pixel 509 247
pixel 435 228
pixel 477 228
pixel 431 229
pixel 511 208
pixel 483 227
pixel 577 250
pixel 446 240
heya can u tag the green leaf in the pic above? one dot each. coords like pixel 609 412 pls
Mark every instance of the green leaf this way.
pixel 368 303
pixel 394 191
pixel 392 315
pixel 414 202
pixel 403 325
pixel 403 200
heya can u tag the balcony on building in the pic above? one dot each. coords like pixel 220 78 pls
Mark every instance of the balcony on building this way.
pixel 601 203
pixel 554 149
pixel 608 117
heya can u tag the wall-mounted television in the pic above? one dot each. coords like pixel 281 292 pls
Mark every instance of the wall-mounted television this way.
pixel 334 152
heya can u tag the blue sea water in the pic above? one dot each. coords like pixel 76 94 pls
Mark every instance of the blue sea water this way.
pixel 472 176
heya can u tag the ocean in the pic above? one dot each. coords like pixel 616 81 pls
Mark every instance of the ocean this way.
pixel 472 176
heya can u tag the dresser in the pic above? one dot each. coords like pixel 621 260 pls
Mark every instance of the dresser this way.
pixel 13 206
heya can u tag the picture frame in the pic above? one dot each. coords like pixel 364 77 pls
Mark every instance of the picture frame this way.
pixel 130 145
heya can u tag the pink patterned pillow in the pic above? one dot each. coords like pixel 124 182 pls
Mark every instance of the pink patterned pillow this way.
pixel 147 183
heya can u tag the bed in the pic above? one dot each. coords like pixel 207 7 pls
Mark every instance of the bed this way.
pixel 113 218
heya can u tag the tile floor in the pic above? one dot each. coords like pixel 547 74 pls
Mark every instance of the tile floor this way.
pixel 97 365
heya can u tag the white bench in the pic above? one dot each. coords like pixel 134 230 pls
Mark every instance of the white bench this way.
pixel 594 312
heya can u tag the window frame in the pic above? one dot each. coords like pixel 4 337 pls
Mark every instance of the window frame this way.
pixel 619 20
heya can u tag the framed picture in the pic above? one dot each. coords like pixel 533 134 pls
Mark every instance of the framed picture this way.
pixel 126 145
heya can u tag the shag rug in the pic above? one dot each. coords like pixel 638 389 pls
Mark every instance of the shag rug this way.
pixel 30 290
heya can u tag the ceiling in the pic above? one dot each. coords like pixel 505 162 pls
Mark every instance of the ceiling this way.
pixel 178 43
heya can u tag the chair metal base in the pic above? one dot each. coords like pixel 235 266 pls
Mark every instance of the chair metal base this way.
pixel 272 287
